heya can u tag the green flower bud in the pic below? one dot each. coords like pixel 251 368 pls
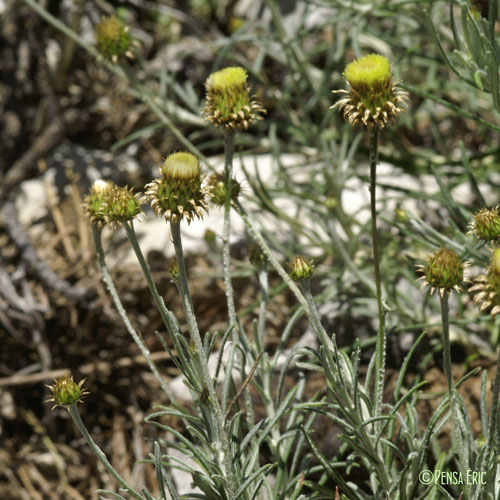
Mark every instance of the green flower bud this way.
pixel 486 224
pixel 300 268
pixel 179 192
pixel 122 205
pixel 228 102
pixel 95 205
pixel 443 271
pixel 173 271
pixel 113 39
pixel 217 185
pixel 257 257
pixel 65 392
pixel 373 99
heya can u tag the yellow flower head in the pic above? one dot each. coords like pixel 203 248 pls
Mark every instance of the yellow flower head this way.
pixel 228 102
pixel 373 99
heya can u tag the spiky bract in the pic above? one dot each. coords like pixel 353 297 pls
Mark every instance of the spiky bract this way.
pixel 373 99
pixel 178 193
pixel 228 102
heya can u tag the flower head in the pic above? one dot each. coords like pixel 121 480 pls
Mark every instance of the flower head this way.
pixel 122 205
pixel 217 185
pixel 228 102
pixel 301 269
pixel 487 286
pixel 178 193
pixel 113 39
pixel 95 205
pixel 257 257
pixel 66 392
pixel 373 99
pixel 443 271
pixel 108 203
pixel 486 224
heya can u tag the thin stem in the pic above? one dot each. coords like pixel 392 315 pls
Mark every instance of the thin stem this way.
pixel 264 296
pixel 449 105
pixel 226 256
pixel 493 423
pixel 272 260
pixel 194 333
pixel 339 247
pixel 160 304
pixel 314 317
pixel 96 233
pixel 446 341
pixel 73 411
pixel 380 347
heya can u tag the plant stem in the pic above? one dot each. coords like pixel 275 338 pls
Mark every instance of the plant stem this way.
pixel 272 259
pixel 226 255
pixel 73 411
pixel 160 304
pixel 493 423
pixel 223 437
pixel 446 341
pixel 380 346
pixel 96 233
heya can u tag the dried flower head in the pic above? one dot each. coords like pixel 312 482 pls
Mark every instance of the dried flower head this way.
pixel 217 184
pixel 228 102
pixel 66 392
pixel 487 286
pixel 486 224
pixel 113 39
pixel 179 192
pixel 94 204
pixel 443 271
pixel 301 269
pixel 373 99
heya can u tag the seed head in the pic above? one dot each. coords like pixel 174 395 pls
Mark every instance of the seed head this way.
pixel 66 392
pixel 228 102
pixel 300 268
pixel 113 39
pixel 443 271
pixel 179 192
pixel 487 286
pixel 486 224
pixel 373 99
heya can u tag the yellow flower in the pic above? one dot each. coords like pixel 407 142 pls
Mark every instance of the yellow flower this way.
pixel 178 193
pixel 228 102
pixel 373 99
